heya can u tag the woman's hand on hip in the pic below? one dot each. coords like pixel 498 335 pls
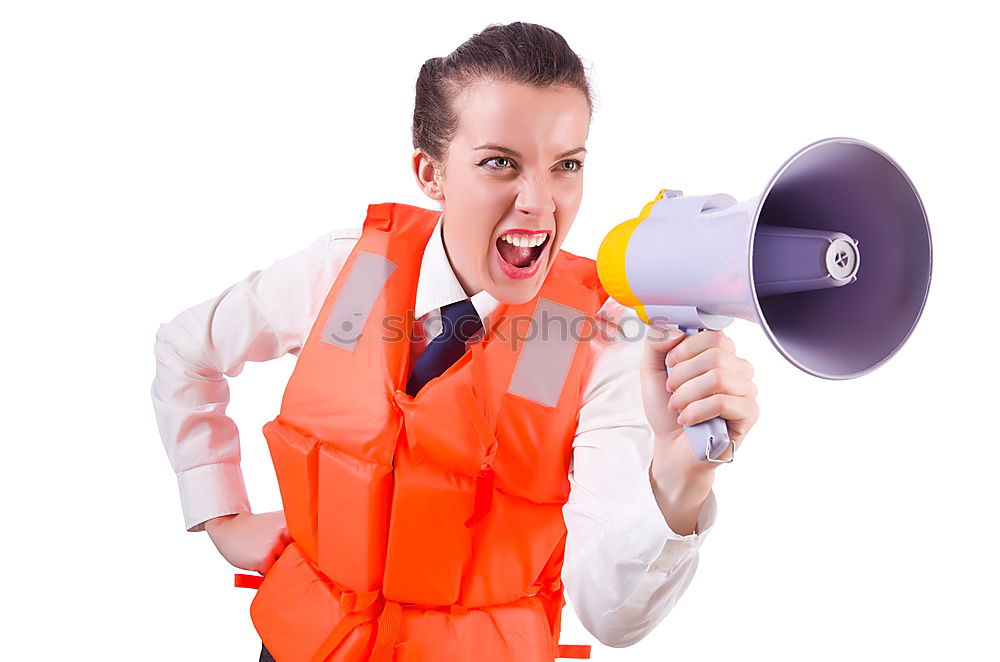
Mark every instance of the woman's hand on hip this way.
pixel 250 541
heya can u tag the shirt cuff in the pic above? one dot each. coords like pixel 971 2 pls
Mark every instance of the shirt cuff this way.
pixel 653 539
pixel 675 546
pixel 211 490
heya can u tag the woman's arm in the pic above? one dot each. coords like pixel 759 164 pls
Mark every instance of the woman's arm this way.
pixel 262 317
pixel 624 568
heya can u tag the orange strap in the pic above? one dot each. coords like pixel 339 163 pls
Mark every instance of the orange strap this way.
pixel 485 430
pixel 363 607
pixel 484 496
pixel 247 581
pixel 344 627
pixel 389 622
pixel 573 652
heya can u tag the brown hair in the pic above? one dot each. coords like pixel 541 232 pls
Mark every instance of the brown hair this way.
pixel 517 52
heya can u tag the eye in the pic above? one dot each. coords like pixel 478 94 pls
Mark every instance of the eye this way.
pixel 495 158
pixel 579 165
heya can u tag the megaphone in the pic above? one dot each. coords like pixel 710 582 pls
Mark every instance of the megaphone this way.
pixel 789 260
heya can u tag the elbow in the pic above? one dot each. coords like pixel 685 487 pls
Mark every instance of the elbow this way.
pixel 611 626
pixel 615 637
pixel 632 619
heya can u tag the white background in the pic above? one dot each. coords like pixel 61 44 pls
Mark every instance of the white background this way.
pixel 151 154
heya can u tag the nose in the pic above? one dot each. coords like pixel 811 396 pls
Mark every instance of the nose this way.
pixel 535 197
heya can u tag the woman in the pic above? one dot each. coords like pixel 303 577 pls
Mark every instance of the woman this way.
pixel 443 465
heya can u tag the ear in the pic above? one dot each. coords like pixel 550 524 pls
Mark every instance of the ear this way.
pixel 427 174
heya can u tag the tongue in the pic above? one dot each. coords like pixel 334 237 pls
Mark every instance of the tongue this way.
pixel 519 256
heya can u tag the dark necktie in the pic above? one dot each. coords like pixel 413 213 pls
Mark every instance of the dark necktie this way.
pixel 459 323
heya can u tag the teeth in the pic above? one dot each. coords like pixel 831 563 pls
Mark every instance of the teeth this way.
pixel 524 240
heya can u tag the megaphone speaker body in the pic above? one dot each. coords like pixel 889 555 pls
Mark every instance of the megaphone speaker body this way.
pixel 788 259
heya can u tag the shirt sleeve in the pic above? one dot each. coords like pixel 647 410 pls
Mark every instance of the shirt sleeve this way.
pixel 624 567
pixel 262 317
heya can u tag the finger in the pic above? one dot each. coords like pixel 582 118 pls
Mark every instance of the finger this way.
pixel 279 544
pixel 272 556
pixel 710 382
pixel 713 357
pixel 656 346
pixel 744 416
pixel 734 408
pixel 698 343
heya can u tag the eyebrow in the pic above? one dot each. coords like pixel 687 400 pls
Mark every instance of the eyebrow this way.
pixel 501 148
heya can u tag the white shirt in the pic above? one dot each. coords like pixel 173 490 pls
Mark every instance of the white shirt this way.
pixel 624 568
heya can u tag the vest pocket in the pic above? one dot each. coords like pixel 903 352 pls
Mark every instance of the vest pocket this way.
pixel 433 496
pixel 295 462
pixel 429 542
pixel 296 610
pixel 353 503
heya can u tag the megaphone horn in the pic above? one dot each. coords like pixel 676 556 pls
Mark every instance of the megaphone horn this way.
pixel 788 259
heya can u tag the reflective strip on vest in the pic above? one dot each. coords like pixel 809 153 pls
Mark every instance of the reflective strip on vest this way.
pixel 545 358
pixel 355 300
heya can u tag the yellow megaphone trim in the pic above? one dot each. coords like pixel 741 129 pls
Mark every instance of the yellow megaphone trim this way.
pixel 640 310
pixel 611 259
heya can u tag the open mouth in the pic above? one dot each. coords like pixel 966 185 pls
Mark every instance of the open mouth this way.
pixel 521 250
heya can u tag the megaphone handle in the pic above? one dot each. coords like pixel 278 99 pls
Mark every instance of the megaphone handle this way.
pixel 709 439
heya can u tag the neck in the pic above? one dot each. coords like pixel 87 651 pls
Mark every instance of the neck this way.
pixel 466 284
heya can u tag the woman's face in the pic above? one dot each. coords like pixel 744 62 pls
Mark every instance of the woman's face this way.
pixel 512 184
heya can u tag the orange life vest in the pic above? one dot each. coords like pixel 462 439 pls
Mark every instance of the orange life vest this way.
pixel 427 527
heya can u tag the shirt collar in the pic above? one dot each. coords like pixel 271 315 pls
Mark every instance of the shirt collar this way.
pixel 437 284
